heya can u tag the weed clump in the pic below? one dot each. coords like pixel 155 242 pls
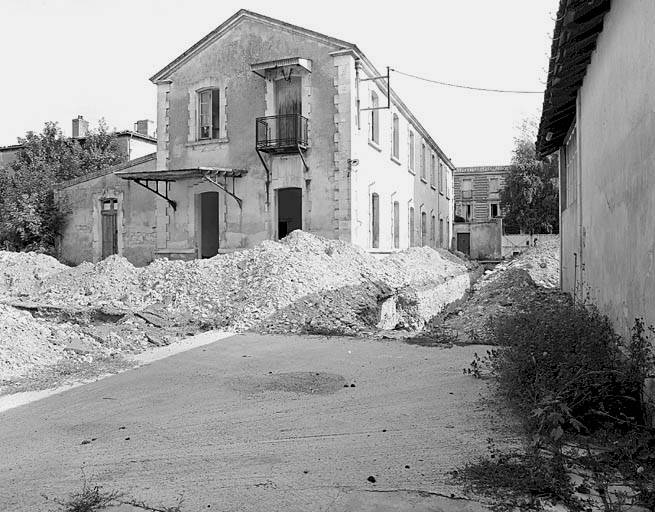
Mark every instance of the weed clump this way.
pixel 574 382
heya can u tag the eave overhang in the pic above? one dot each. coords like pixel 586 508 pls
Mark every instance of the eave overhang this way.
pixel 579 22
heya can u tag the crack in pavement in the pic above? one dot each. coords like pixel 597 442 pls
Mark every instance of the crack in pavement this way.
pixel 421 493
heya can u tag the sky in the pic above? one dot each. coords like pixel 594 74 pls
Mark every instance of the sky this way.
pixel 63 58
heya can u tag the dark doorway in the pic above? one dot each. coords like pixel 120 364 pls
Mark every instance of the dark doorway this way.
pixel 208 224
pixel 464 243
pixel 109 227
pixel 289 210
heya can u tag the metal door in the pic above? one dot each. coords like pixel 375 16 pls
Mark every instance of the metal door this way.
pixel 464 243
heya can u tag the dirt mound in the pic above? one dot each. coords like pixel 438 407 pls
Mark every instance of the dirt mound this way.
pixel 113 281
pixel 304 283
pixel 493 296
pixel 508 288
pixel 23 272
pixel 541 262
pixel 276 286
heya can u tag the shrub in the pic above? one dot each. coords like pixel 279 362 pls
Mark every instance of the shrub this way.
pixel 563 365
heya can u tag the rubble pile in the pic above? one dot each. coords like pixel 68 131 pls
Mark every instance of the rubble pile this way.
pixel 22 273
pixel 541 262
pixel 280 285
pixel 24 343
pixel 510 287
pixel 304 283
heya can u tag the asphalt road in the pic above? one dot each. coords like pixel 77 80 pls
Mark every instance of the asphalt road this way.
pixel 261 423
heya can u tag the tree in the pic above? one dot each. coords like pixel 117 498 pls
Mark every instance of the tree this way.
pixel 530 199
pixel 30 218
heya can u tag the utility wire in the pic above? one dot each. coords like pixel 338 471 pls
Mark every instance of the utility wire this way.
pixel 459 86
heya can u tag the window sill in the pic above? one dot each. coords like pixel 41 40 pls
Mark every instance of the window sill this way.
pixel 375 145
pixel 395 160
pixel 207 142
pixel 411 171
pixel 433 187
pixel 424 181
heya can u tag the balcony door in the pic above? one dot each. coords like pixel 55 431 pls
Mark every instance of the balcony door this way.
pixel 288 100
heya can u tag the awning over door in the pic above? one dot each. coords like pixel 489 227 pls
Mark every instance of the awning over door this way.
pixel 217 176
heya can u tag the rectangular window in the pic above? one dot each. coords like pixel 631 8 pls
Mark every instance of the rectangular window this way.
pixel 375 119
pixel 493 210
pixel 441 235
pixel 375 221
pixel 423 166
pixel 467 189
pixel 396 224
pixel 411 150
pixel 424 228
pixel 396 137
pixel 433 230
pixel 494 188
pixel 433 170
pixel 468 213
pixel 208 114
pixel 411 227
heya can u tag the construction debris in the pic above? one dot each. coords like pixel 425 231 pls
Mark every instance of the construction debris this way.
pixel 509 287
pixel 541 262
pixel 303 283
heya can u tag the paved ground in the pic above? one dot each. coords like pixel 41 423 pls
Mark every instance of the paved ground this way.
pixel 261 423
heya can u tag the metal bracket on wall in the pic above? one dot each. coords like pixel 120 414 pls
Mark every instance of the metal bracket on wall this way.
pixel 223 186
pixel 388 79
pixel 146 184
pixel 302 157
pixel 268 178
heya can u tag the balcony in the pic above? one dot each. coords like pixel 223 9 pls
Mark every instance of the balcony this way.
pixel 281 134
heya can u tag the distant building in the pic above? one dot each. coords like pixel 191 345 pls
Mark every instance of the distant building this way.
pixel 264 127
pixel 477 192
pixel 8 155
pixel 132 143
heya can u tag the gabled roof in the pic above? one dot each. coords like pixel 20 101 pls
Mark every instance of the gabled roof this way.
pixel 578 24
pixel 231 22
pixel 339 46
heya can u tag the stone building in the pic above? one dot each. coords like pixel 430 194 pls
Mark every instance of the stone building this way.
pixel 599 113
pixel 264 127
pixel 477 192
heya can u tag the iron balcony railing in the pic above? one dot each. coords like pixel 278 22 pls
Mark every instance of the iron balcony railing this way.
pixel 282 133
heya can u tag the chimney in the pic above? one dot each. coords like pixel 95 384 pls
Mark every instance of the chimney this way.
pixel 145 127
pixel 80 127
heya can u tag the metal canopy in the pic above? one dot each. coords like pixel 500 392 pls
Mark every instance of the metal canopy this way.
pixel 212 175
pixel 306 64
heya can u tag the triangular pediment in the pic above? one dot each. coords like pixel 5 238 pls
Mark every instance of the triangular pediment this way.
pixel 232 22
